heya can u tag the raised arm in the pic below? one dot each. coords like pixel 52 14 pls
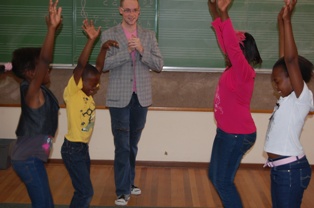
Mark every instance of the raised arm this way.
pixel 212 8
pixel 92 35
pixel 281 32
pixel 100 61
pixel 223 6
pixel 290 50
pixel 34 97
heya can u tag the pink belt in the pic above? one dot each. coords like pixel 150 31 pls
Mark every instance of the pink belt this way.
pixel 283 161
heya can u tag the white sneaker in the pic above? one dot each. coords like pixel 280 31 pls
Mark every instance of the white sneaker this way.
pixel 135 190
pixel 122 200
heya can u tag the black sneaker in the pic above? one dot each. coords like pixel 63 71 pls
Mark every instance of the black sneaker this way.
pixel 122 200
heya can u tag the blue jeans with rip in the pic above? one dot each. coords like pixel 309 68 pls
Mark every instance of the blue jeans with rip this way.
pixel 126 124
pixel 76 158
pixel 288 183
pixel 34 175
pixel 227 153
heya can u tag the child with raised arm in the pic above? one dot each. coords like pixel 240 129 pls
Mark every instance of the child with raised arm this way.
pixel 290 169
pixel 80 107
pixel 39 116
pixel 236 130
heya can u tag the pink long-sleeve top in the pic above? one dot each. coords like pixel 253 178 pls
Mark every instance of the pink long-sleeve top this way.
pixel 235 87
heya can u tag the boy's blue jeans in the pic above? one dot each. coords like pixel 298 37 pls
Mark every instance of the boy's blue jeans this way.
pixel 288 183
pixel 227 153
pixel 127 124
pixel 76 158
pixel 33 173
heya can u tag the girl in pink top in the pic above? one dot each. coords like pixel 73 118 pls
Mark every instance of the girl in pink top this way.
pixel 236 131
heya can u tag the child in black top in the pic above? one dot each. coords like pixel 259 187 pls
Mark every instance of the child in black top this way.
pixel 39 116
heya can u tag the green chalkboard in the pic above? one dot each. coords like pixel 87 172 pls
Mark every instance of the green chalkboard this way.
pixel 22 24
pixel 183 28
pixel 186 38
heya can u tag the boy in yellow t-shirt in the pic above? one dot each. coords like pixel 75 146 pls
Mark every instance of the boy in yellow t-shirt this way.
pixel 80 107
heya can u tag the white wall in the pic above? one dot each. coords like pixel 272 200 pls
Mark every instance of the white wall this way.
pixel 178 136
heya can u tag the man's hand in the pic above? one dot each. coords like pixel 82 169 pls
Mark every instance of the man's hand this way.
pixel 135 44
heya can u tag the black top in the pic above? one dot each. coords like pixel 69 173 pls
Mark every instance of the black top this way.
pixel 40 121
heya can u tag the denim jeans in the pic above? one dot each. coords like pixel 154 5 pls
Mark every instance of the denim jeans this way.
pixel 33 174
pixel 227 153
pixel 127 124
pixel 76 158
pixel 288 183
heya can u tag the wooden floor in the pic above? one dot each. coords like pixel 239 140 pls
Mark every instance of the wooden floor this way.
pixel 161 187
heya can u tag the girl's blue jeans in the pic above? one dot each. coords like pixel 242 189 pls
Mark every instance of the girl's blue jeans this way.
pixel 76 158
pixel 227 153
pixel 33 174
pixel 288 183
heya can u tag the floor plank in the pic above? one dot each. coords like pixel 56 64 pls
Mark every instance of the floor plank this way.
pixel 161 187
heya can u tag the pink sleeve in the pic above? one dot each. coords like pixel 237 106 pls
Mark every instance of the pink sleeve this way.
pixel 216 25
pixel 242 69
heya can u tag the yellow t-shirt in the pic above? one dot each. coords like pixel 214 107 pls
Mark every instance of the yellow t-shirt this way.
pixel 80 112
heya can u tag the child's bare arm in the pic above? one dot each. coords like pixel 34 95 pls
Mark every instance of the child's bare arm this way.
pixel 102 54
pixel 92 35
pixel 291 51
pixel 223 6
pixel 212 8
pixel 34 97
pixel 281 33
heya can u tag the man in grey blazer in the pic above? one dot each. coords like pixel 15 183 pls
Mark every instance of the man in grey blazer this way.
pixel 129 91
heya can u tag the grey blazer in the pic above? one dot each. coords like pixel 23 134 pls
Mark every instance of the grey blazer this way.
pixel 120 65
